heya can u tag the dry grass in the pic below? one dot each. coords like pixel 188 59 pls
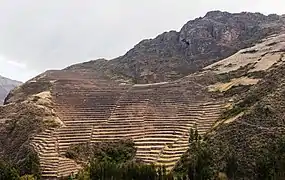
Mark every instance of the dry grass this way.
pixel 263 55
pixel 222 87
pixel 232 119
pixel 266 62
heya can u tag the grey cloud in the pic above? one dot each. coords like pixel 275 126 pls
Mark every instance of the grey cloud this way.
pixel 56 33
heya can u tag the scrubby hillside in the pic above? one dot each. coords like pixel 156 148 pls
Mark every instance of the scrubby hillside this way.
pixel 28 110
pixel 199 43
pixel 251 128
pixel 255 122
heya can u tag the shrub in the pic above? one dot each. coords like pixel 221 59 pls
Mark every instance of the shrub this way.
pixel 8 172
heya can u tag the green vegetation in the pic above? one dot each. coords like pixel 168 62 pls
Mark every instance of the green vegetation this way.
pixel 256 74
pixel 28 169
pixel 117 152
pixel 269 84
pixel 271 165
pixel 16 140
pixel 240 89
pixel 197 162
pixel 125 171
pixel 114 160
pixel 8 172
pixel 250 99
pixel 30 165
pixel 202 161
pixel 27 177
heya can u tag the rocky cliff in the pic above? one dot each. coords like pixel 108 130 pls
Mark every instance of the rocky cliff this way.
pixel 6 85
pixel 200 42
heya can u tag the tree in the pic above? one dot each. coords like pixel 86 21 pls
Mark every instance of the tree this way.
pixel 201 158
pixel 31 165
pixel 271 163
pixel 264 169
pixel 7 172
pixel 115 161
pixel 231 169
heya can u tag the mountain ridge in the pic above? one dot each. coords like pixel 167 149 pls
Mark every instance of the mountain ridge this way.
pixel 200 42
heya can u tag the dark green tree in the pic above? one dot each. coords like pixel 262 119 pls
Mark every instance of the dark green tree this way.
pixel 200 157
pixel 7 172
pixel 271 162
pixel 231 168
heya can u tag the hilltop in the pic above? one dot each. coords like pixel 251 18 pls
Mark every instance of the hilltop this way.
pixel 213 74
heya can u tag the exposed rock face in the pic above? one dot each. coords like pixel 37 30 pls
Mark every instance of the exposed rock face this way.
pixel 200 42
pixel 86 103
pixel 6 85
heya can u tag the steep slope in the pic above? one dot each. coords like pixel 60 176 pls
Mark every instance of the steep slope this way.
pixel 6 85
pixel 251 82
pixel 79 107
pixel 255 118
pixel 94 101
pixel 199 43
pixel 70 107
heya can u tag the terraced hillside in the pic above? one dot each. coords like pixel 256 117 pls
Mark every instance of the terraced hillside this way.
pixel 57 109
pixel 71 107
pixel 156 116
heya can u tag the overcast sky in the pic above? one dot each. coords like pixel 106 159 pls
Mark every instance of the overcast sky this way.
pixel 36 35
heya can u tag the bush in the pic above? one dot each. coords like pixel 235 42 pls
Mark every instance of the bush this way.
pixel 7 172
pixel 27 177
pixel 115 160
pixel 31 164
pixel 271 164
pixel 120 151
pixel 197 162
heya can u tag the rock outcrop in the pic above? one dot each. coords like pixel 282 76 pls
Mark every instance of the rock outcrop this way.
pixel 199 43
pixel 6 85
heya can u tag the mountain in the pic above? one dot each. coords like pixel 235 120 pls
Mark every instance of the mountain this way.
pixel 222 73
pixel 253 123
pixel 6 85
pixel 200 42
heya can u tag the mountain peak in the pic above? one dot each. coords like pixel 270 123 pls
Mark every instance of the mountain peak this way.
pixel 200 42
pixel 217 13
